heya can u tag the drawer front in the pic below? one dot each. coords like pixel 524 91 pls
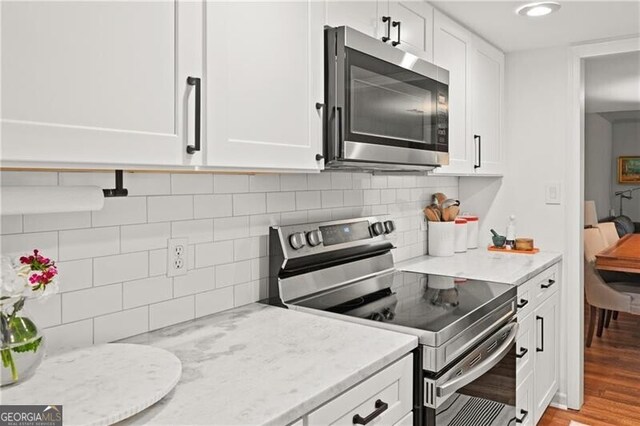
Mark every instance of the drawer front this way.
pixel 406 420
pixel 524 401
pixel 526 299
pixel 546 283
pixel 525 347
pixel 392 386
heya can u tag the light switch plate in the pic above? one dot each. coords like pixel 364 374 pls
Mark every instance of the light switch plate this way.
pixel 553 193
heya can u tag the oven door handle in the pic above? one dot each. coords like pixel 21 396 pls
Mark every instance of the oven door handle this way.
pixel 483 367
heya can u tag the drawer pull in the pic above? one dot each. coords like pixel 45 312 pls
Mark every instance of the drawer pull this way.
pixel 381 407
pixel 524 413
pixel 523 303
pixel 551 282
pixel 523 352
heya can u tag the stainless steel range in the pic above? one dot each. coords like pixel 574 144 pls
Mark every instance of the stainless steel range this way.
pixel 465 374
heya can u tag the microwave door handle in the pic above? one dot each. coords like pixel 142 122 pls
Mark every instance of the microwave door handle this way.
pixel 483 367
pixel 340 125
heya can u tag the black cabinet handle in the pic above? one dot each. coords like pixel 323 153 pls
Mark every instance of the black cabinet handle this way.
pixel 541 319
pixel 523 303
pixel 387 20
pixel 524 413
pixel 479 139
pixel 319 157
pixel 381 407
pixel 195 81
pixel 523 352
pixel 396 24
pixel 551 282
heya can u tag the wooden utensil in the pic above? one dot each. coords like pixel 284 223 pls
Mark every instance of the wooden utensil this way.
pixel 439 198
pixel 432 213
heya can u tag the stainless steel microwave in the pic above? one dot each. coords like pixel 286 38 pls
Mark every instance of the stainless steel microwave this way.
pixel 385 109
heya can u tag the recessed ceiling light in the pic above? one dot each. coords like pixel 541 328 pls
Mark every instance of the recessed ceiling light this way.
pixel 538 9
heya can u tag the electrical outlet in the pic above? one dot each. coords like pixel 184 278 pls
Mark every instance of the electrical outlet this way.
pixel 423 224
pixel 177 253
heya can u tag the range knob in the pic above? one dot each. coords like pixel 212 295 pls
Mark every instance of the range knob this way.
pixel 297 240
pixel 377 228
pixel 389 226
pixel 314 237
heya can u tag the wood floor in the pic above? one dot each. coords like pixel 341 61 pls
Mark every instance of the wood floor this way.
pixel 612 379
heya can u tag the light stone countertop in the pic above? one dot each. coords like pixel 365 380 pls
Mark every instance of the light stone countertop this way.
pixel 260 364
pixel 484 265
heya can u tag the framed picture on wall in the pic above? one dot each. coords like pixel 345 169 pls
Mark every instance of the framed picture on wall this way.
pixel 629 170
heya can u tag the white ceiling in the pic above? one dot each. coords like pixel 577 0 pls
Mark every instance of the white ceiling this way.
pixel 612 83
pixel 576 21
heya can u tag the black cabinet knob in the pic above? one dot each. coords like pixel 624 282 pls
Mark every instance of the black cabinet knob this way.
pixel 319 157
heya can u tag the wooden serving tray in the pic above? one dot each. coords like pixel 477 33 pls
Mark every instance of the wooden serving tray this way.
pixel 505 250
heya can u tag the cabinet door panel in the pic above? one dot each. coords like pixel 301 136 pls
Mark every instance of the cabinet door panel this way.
pixel 360 15
pixel 488 75
pixel 524 400
pixel 100 82
pixel 264 70
pixel 546 360
pixel 416 29
pixel 451 51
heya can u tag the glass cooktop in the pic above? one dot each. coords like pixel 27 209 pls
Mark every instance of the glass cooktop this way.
pixel 423 303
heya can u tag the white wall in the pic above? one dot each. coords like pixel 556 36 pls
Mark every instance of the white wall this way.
pixel 113 262
pixel 626 142
pixel 598 147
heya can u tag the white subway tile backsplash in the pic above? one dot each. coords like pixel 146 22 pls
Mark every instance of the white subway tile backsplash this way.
pixel 211 254
pixel 56 221
pixel 197 231
pixel 69 336
pixel 293 182
pixel 8 178
pixel 11 224
pixel 116 326
pixel 264 183
pixel 214 301
pixel 306 200
pixel 75 275
pixel 233 273
pixel 171 312
pixel 332 199
pixel 91 302
pixel 147 183
pixel 113 263
pixel 145 237
pixel 230 184
pixel 46 312
pixel 246 204
pixel 20 244
pixel 158 262
pixel 165 208
pixel 84 243
pixel 281 202
pixel 121 211
pixel 118 268
pixel 146 291
pixel 230 228
pixel 185 183
pixel 196 281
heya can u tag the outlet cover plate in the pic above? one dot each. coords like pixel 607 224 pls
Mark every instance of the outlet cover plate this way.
pixel 177 252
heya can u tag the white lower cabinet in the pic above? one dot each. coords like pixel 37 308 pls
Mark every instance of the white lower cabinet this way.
pixel 388 392
pixel 537 344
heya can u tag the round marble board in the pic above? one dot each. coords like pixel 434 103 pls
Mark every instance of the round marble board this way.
pixel 100 385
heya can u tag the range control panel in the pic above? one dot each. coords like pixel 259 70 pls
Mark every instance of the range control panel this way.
pixel 321 236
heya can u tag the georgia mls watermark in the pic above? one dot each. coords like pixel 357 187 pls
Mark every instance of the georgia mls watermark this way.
pixel 30 415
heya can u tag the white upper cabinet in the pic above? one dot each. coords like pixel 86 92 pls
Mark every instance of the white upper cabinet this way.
pixel 487 70
pixel 412 26
pixel 99 82
pixel 451 51
pixel 359 15
pixel 264 77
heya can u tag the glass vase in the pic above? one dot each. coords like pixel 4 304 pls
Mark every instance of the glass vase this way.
pixel 22 347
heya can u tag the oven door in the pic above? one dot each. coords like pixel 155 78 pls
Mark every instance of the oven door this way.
pixel 384 106
pixel 480 388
